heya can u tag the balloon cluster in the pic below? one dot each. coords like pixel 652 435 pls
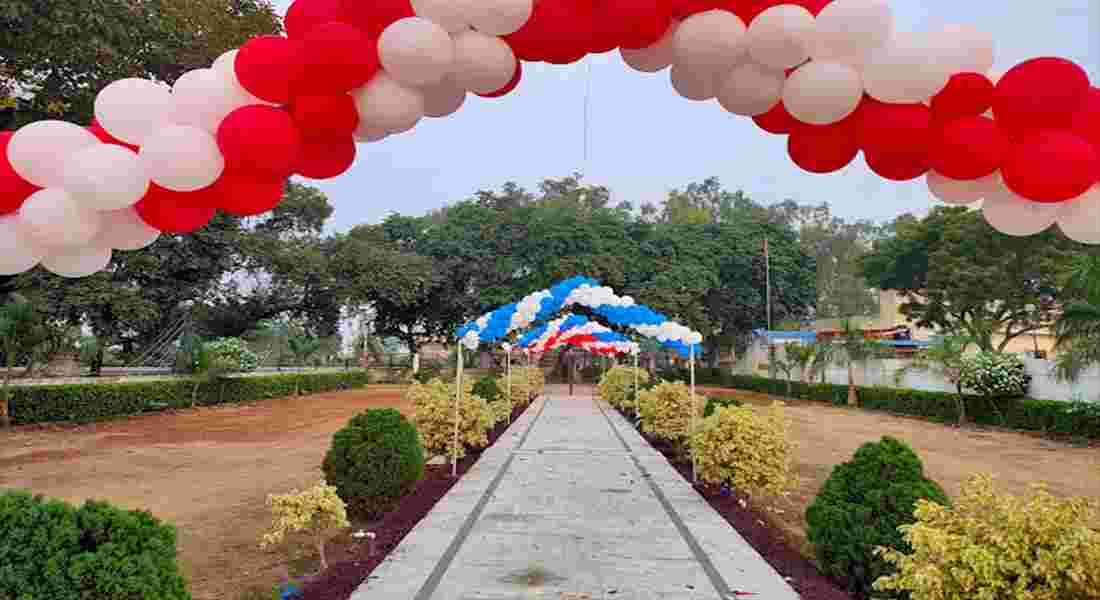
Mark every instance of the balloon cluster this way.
pixel 833 76
pixel 576 331
pixel 618 310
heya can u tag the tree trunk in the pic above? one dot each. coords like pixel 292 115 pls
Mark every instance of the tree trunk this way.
pixel 96 368
pixel 962 404
pixel 5 393
pixel 852 399
pixel 321 553
pixel 416 362
pixel 788 386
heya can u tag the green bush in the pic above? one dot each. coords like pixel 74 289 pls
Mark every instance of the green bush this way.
pixel 234 353
pixel 995 374
pixel 488 388
pixel 716 402
pixel 51 550
pixel 1046 416
pixel 860 508
pixel 374 461
pixel 88 402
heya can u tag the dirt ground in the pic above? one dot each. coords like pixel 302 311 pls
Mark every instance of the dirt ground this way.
pixel 828 435
pixel 208 471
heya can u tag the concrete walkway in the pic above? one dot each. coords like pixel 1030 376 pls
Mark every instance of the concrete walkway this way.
pixel 572 504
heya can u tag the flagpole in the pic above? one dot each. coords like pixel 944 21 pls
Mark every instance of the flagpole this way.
pixel 691 431
pixel 768 283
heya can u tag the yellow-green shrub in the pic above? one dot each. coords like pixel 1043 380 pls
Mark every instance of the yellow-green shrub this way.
pixel 749 449
pixel 666 410
pixel 318 512
pixel 501 410
pixel 617 385
pixel 536 379
pixel 993 546
pixel 434 417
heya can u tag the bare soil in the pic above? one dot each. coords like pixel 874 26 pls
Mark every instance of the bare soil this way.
pixel 208 471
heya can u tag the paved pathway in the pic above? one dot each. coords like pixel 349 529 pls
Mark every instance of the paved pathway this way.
pixel 572 504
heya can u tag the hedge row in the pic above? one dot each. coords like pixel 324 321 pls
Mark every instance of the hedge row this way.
pixel 1048 416
pixel 98 401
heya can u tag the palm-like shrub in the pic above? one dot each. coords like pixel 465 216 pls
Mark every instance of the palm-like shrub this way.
pixel 616 387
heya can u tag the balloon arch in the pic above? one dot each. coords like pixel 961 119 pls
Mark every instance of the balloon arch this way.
pixel 833 76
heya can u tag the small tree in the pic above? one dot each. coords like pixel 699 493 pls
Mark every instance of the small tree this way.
pixel 303 346
pixel 786 367
pixel 801 356
pixel 824 354
pixel 855 349
pixel 318 512
pixel 21 331
pixel 996 375
pixel 947 359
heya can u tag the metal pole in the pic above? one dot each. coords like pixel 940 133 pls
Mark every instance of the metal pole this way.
pixel 508 384
pixel 458 399
pixel 694 476
pixel 635 383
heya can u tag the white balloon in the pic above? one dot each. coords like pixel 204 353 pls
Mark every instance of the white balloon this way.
pixel 781 36
pixel 225 65
pixel 416 51
pixel 483 63
pixel 847 30
pixel 37 151
pixel 448 14
pixel 384 103
pixel 443 98
pixel 966 49
pixel 105 177
pixel 751 89
pixel 694 84
pixel 1012 214
pixel 954 191
pixel 711 40
pixel 499 17
pixel 822 92
pixel 651 58
pixel 51 218
pixel 182 158
pixel 1080 217
pixel 130 109
pixel 226 62
pixel 78 262
pixel 907 70
pixel 17 252
pixel 125 230
pixel 204 97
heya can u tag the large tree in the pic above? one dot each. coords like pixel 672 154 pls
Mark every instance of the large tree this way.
pixel 959 275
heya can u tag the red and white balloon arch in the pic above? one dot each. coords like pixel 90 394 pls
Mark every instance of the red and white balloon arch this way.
pixel 833 76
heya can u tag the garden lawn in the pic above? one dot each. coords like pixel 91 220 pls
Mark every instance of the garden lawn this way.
pixel 829 435
pixel 208 471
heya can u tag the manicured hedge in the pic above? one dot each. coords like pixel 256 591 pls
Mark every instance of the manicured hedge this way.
pixel 1049 416
pixel 98 401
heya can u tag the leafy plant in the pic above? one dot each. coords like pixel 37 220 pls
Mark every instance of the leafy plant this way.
pixel 996 375
pixel 800 357
pixel 616 387
pixel 488 388
pixel 21 330
pixel 374 461
pixel 946 358
pixel 434 416
pixel 747 448
pixel 232 354
pixel 854 348
pixel 666 411
pixel 860 507
pixel 995 546
pixel 318 512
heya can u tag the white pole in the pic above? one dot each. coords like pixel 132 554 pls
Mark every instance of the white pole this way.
pixel 458 399
pixel 694 477
pixel 636 404
pixel 508 380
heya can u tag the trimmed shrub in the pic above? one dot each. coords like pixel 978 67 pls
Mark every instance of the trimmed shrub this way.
pixel 234 353
pixel 716 402
pixel 88 402
pixel 434 404
pixel 501 411
pixel 374 461
pixel 996 547
pixel 996 375
pixel 666 411
pixel 50 549
pixel 488 388
pixel 616 387
pixel 318 512
pixel 749 449
pixel 860 507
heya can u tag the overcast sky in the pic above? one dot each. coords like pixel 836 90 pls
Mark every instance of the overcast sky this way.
pixel 645 140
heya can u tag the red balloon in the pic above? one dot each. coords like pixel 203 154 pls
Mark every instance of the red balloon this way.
pixel 1086 121
pixel 824 148
pixel 304 15
pixel 643 22
pixel 682 9
pixel 966 95
pixel 101 133
pixel 777 120
pixel 895 128
pixel 326 117
pixel 325 159
pixel 267 66
pixel 1042 93
pixel 1051 166
pixel 243 195
pixel 174 212
pixel 513 84
pixel 337 58
pixel 968 148
pixel 562 31
pixel 373 16
pixel 897 166
pixel 259 139
pixel 14 190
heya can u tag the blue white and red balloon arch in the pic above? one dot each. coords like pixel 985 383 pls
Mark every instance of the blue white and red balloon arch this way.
pixel 835 77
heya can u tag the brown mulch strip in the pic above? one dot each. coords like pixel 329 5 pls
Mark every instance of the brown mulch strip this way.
pixel 754 525
pixel 344 577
